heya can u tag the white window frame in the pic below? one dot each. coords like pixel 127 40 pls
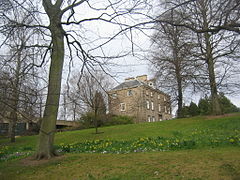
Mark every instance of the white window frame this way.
pixel 152 105
pixel 153 118
pixel 165 109
pixel 149 118
pixel 146 92
pixel 122 107
pixel 159 107
pixel 151 94
pixel 158 96
pixel 164 98
pixel 148 104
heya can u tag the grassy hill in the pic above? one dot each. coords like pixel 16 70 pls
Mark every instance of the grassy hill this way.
pixel 191 148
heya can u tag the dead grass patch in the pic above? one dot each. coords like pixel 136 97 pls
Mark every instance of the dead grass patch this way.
pixel 31 161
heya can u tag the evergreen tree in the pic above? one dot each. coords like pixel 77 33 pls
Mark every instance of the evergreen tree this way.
pixel 204 106
pixel 226 105
pixel 193 109
pixel 185 111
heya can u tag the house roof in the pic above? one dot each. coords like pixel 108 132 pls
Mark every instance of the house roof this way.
pixel 129 84
pixel 134 83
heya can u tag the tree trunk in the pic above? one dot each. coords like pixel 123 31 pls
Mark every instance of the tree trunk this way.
pixel 15 98
pixel 12 125
pixel 216 109
pixel 96 121
pixel 45 147
pixel 177 63
pixel 180 97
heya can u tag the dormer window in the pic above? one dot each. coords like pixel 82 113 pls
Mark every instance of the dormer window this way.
pixel 114 96
pixel 129 93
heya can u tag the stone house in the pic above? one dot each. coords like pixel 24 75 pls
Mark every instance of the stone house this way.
pixel 138 97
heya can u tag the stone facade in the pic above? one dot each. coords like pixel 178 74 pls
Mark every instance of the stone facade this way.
pixel 139 98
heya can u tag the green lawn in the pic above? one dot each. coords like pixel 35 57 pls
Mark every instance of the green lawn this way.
pixel 215 154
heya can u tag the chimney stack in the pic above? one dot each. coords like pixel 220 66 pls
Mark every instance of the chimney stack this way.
pixel 129 79
pixel 142 78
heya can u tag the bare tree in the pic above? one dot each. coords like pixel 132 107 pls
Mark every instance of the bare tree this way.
pixel 85 91
pixel 171 59
pixel 17 63
pixel 204 17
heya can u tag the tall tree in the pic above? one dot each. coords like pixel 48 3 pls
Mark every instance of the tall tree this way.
pixel 203 17
pixel 17 63
pixel 99 109
pixel 171 59
pixel 86 93
pixel 62 14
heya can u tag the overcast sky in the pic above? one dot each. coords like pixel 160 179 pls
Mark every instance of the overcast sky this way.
pixel 129 66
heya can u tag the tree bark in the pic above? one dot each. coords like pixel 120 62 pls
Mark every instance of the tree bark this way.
pixel 45 147
pixel 12 126
pixel 216 109
pixel 177 63
pixel 180 96
pixel 15 97
pixel 96 121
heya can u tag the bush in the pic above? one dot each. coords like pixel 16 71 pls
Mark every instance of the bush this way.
pixel 88 120
pixel 117 120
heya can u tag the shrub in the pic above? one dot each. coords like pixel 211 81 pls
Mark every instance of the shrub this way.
pixel 117 120
pixel 88 120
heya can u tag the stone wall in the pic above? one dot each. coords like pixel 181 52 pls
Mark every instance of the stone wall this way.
pixel 141 102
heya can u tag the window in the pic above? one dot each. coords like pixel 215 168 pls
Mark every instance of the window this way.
pixel 159 107
pixel 152 105
pixel 147 93
pixel 164 98
pixel 114 96
pixel 160 117
pixel 165 109
pixel 153 119
pixel 129 93
pixel 158 96
pixel 151 93
pixel 149 118
pixel 148 104
pixel 122 107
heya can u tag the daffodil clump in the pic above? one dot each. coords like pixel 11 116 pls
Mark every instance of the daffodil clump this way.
pixel 195 139
pixel 9 152
pixel 147 144
pixel 139 145
pixel 3 151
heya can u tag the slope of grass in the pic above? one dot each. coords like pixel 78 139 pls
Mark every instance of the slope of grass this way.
pixel 184 127
pixel 212 164
pixel 201 162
